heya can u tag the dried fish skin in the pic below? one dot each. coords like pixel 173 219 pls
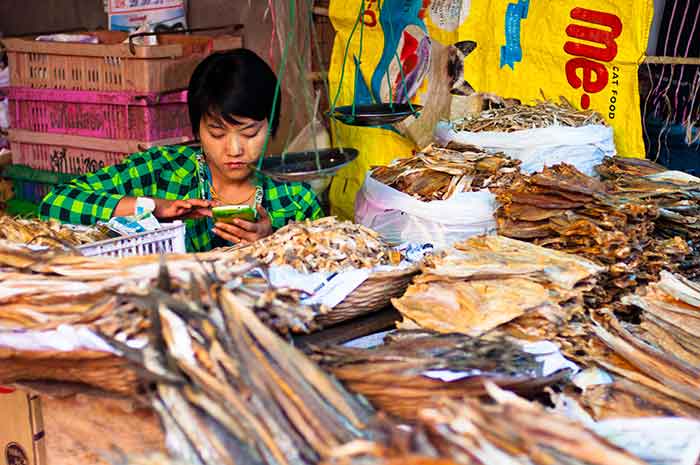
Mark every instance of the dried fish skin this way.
pixel 488 281
pixel 472 307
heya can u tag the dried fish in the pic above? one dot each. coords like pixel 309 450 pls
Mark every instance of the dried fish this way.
pixel 510 431
pixel 622 229
pixel 322 245
pixel 409 371
pixel 487 281
pixel 438 173
pixel 48 233
pixel 543 114
pixel 247 396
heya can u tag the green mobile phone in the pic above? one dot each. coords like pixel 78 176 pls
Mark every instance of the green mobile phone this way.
pixel 227 213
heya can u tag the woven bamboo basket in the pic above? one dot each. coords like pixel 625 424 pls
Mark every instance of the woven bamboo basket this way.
pixel 372 295
pixel 101 370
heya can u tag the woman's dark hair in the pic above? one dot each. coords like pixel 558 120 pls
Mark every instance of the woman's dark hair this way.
pixel 233 83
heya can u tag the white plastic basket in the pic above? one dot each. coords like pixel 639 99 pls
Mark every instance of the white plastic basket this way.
pixel 168 239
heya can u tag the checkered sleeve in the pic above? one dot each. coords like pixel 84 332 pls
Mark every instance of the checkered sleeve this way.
pixel 93 197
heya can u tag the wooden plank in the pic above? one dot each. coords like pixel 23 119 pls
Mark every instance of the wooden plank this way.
pixel 664 60
pixel 352 329
pixel 91 143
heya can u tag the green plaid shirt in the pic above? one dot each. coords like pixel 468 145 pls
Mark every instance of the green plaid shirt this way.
pixel 166 173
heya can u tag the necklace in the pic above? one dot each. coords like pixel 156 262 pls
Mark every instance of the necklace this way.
pixel 215 196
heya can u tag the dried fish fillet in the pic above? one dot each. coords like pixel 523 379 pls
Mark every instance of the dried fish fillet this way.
pixel 438 173
pixel 487 281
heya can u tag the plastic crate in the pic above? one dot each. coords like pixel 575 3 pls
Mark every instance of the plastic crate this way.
pixel 62 153
pixel 169 239
pixel 32 185
pixel 111 65
pixel 107 115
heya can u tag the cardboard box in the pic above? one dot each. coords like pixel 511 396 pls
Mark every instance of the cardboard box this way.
pixel 22 439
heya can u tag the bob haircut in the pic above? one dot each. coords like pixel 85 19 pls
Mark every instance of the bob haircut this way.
pixel 233 83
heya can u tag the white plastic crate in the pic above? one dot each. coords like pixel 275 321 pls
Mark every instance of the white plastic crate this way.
pixel 168 239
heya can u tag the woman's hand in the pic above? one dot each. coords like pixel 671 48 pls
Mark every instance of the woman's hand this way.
pixel 181 209
pixel 242 231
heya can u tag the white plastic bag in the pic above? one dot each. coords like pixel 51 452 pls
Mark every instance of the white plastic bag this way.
pixel 583 147
pixel 399 218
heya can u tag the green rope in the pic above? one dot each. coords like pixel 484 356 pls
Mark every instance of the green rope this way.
pixel 345 57
pixel 358 61
pixel 280 74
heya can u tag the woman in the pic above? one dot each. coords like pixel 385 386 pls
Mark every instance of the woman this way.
pixel 230 100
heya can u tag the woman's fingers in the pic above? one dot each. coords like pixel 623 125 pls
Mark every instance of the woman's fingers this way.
pixel 231 230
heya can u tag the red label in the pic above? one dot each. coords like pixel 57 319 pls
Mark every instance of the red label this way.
pixel 585 71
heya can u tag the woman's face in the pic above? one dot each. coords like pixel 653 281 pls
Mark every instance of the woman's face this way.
pixel 231 148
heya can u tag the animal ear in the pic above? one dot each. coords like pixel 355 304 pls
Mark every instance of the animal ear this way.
pixel 466 47
pixel 462 87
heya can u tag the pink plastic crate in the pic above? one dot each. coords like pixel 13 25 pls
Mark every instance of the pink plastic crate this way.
pixel 74 154
pixel 107 115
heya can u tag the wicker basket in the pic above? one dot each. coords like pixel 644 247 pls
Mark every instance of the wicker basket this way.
pixel 101 370
pixel 372 295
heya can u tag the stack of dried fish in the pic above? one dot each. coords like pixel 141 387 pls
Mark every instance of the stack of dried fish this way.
pixel 671 316
pixel 47 233
pixel 615 167
pixel 322 245
pixel 675 194
pixel 413 368
pixel 627 353
pixel 518 117
pixel 511 431
pixel 563 209
pixel 110 298
pixel 230 391
pixel 438 173
pixel 488 281
pixel 76 290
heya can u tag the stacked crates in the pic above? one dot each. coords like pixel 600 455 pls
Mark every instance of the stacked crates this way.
pixel 76 107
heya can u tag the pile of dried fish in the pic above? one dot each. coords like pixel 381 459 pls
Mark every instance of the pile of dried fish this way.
pixel 47 233
pixel 412 368
pixel 627 353
pixel 488 281
pixel 615 167
pixel 563 209
pixel 93 292
pixel 511 431
pixel 438 173
pixel 518 117
pixel 675 194
pixel 322 245
pixel 230 391
pixel 671 316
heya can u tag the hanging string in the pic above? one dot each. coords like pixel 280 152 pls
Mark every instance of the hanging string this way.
pixel 358 61
pixel 685 54
pixel 345 57
pixel 280 74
